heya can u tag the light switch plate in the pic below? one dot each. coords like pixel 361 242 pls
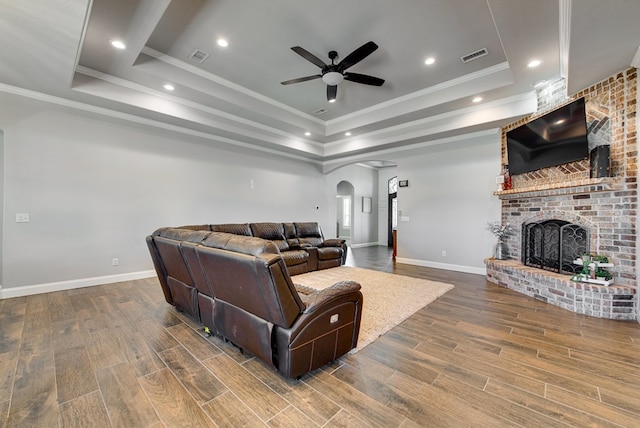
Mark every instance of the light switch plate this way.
pixel 22 218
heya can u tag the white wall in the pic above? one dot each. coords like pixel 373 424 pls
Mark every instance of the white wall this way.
pixel 448 204
pixel 365 183
pixel 94 188
pixel 2 215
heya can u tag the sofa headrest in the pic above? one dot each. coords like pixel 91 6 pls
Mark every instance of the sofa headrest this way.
pixel 240 244
pixel 235 228
pixel 181 234
pixel 308 230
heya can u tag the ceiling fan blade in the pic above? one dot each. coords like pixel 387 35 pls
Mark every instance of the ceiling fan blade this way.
pixel 332 92
pixel 356 56
pixel 300 79
pixel 309 56
pixel 364 79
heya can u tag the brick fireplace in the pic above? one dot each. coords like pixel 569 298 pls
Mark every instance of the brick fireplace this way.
pixel 604 207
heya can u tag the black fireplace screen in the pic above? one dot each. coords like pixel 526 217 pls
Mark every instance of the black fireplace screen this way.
pixel 554 245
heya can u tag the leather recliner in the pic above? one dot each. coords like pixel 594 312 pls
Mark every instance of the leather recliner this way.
pixel 258 308
pixel 176 277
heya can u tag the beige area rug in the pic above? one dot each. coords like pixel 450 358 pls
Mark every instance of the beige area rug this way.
pixel 389 299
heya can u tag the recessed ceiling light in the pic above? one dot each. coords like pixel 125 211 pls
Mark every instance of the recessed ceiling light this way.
pixel 429 60
pixel 169 87
pixel 534 63
pixel 307 134
pixel 347 134
pixel 477 99
pixel 118 44
pixel 333 100
pixel 223 43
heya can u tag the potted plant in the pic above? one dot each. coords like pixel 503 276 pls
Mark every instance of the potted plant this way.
pixel 600 259
pixel 602 273
pixel 501 232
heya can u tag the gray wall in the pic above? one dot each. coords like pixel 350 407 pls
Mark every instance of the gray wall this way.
pixel 364 229
pixel 95 187
pixel 448 203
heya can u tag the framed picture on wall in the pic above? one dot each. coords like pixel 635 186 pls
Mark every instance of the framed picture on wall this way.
pixel 366 204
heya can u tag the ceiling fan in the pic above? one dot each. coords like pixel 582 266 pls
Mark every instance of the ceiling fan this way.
pixel 332 74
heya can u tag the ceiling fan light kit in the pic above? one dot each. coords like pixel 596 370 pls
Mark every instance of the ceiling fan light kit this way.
pixel 332 78
pixel 333 74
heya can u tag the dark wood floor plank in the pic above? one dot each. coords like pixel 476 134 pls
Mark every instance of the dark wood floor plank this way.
pixel 195 343
pixel 74 374
pixel 86 411
pixel 410 398
pixel 485 402
pixel 546 407
pixel 172 402
pixel 10 336
pixel 228 410
pixel 481 355
pixel 358 404
pixel 102 347
pixel 126 402
pixel 264 401
pixel 291 417
pixel 142 359
pixel 199 381
pixel 597 408
pixel 485 363
pixel 345 419
pixel 314 405
pixel 33 402
pixel 4 411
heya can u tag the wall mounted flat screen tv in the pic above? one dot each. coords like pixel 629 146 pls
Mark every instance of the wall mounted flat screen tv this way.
pixel 557 137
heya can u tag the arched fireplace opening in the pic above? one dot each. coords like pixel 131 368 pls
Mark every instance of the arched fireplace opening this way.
pixel 554 245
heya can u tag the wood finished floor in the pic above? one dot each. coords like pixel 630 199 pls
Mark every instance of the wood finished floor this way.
pixel 481 356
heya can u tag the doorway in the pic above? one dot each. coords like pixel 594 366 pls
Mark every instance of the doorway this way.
pixel 344 210
pixel 393 209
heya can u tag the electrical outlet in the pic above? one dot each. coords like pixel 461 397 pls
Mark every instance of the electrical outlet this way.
pixel 22 218
pixel 444 253
pixel 252 184
pixel 115 261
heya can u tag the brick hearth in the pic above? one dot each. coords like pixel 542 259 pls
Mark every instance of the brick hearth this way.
pixel 606 207
pixel 613 302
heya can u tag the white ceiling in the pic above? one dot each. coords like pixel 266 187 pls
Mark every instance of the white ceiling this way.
pixel 60 51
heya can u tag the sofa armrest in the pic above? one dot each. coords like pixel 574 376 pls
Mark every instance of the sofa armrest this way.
pixel 334 242
pixel 320 297
pixel 327 329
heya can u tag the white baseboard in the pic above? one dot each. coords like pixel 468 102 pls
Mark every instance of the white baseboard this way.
pixel 27 290
pixel 445 266
pixel 366 244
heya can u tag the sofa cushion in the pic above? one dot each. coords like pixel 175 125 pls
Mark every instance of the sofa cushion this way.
pixel 271 231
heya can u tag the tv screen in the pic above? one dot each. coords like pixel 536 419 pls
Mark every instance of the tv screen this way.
pixel 553 139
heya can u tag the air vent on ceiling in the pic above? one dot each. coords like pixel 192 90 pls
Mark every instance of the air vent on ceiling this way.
pixel 475 55
pixel 321 111
pixel 198 56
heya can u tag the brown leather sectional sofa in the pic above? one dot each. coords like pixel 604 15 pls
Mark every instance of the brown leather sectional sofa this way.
pixel 240 288
pixel 301 244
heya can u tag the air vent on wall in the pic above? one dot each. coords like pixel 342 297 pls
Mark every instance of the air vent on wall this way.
pixel 198 56
pixel 321 111
pixel 475 55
